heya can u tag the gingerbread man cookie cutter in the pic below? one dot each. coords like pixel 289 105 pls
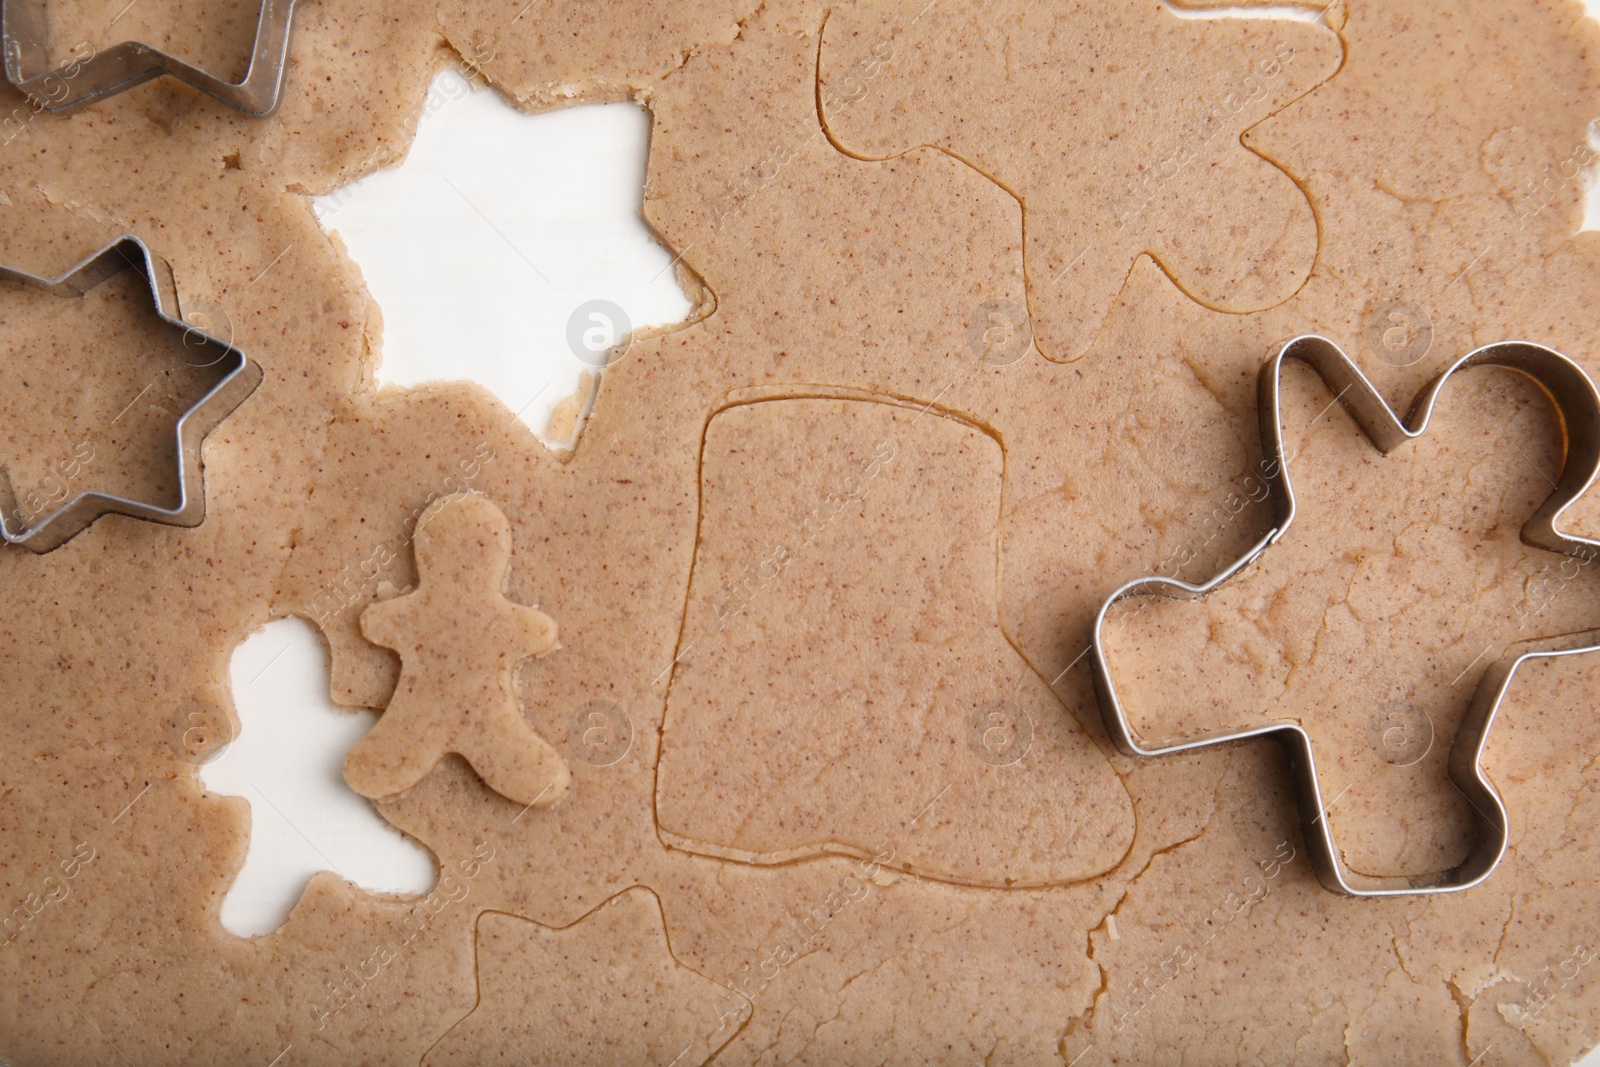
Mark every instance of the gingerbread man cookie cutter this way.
pixel 239 380
pixel 25 32
pixel 1577 404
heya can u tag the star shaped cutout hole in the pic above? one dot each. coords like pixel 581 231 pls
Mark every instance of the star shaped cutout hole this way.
pixel 1457 529
pixel 511 250
pixel 459 639
pixel 1134 149
pixel 150 387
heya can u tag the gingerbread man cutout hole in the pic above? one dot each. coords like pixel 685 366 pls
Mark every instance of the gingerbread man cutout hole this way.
pixel 459 640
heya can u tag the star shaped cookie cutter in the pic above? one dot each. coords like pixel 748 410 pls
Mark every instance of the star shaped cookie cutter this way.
pixel 25 32
pixel 1576 402
pixel 240 380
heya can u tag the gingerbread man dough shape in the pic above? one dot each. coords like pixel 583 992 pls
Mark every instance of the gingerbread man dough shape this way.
pixel 459 639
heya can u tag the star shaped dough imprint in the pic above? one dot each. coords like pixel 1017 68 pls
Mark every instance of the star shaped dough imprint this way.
pixel 1123 141
pixel 1578 405
pixel 459 639
pixel 639 1006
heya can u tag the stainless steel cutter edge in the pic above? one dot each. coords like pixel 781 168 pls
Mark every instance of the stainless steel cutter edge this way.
pixel 24 31
pixel 75 515
pixel 1576 402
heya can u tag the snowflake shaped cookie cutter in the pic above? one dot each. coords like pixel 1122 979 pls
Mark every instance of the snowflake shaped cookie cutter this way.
pixel 25 30
pixel 240 379
pixel 1577 404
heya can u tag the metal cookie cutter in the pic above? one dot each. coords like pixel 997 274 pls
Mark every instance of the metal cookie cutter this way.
pixel 25 30
pixel 239 380
pixel 1576 402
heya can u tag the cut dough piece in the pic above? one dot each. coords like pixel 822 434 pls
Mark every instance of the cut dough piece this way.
pixel 1125 142
pixel 460 641
pixel 605 990
pixel 842 682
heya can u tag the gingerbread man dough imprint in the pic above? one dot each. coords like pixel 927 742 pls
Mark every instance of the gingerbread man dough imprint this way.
pixel 459 639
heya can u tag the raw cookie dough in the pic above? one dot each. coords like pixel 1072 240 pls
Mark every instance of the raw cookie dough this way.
pixel 871 283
